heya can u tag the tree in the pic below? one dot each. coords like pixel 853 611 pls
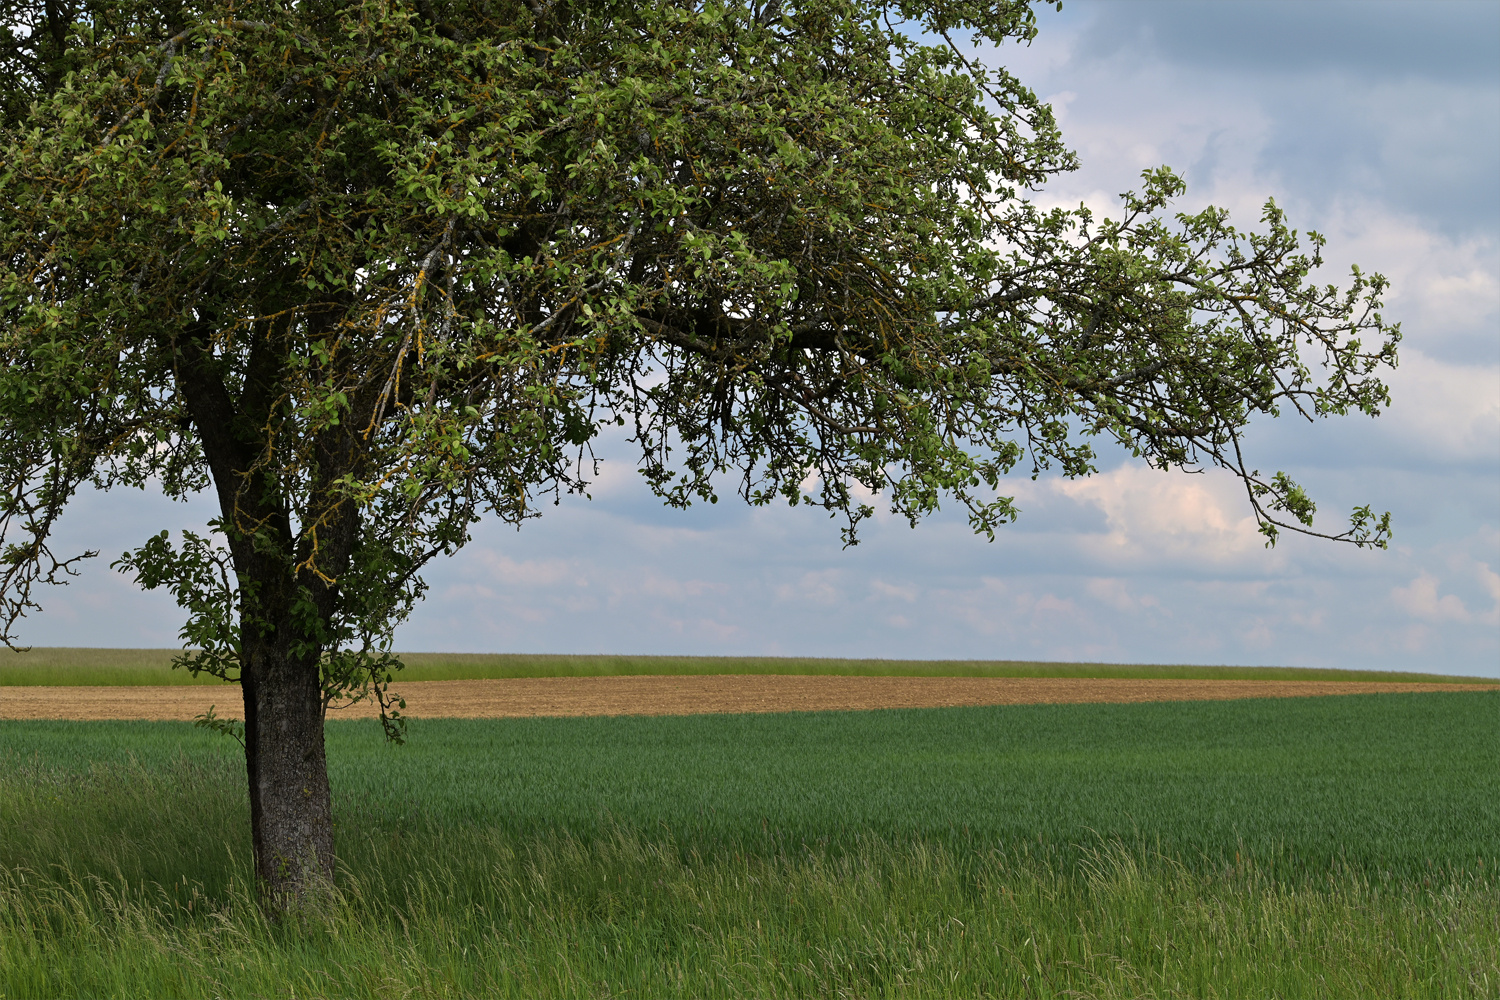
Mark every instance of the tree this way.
pixel 371 270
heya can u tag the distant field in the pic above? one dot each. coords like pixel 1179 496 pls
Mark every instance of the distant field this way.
pixel 1305 847
pixel 1389 783
pixel 79 666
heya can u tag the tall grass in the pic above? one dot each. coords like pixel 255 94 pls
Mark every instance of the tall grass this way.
pixel 472 912
pixel 737 856
pixel 80 666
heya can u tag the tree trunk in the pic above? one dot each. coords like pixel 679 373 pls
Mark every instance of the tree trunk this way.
pixel 291 811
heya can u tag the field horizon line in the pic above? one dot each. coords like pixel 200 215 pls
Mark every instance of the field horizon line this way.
pixel 66 666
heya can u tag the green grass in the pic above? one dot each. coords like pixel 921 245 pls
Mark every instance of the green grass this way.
pixel 630 916
pixel 1308 847
pixel 74 666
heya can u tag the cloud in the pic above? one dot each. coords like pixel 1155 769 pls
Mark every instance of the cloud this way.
pixel 528 573
pixel 702 628
pixel 635 585
pixel 1000 608
pixel 818 587
pixel 1120 594
pixel 1445 288
pixel 1420 600
pixel 1370 39
pixel 1311 101
pixel 879 589
pixel 1155 517
pixel 1445 412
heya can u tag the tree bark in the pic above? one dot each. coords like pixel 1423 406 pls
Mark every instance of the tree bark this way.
pixel 291 813
pixel 291 810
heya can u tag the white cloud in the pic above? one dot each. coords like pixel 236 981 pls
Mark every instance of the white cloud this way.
pixel 1491 582
pixel 1445 411
pixel 655 585
pixel 614 476
pixel 1156 516
pixel 702 628
pixel 1440 284
pixel 890 591
pixel 1420 600
pixel 1120 594
pixel 999 608
pixel 528 573
pixel 817 587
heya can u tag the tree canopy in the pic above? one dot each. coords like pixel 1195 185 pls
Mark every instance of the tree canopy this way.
pixel 373 270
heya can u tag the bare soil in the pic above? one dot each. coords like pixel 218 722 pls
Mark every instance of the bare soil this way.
pixel 686 695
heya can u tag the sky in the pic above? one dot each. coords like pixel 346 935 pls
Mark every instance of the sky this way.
pixel 1377 124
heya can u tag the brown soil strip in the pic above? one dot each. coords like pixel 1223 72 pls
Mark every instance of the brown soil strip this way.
pixel 690 695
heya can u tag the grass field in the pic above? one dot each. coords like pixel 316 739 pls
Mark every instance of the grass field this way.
pixel 76 666
pixel 1308 847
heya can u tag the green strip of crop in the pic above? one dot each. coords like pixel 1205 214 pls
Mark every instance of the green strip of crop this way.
pixel 1390 783
pixel 78 666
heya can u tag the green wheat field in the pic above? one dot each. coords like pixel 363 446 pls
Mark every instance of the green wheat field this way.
pixel 1317 847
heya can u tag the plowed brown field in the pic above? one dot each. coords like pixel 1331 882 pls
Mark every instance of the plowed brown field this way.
pixel 689 695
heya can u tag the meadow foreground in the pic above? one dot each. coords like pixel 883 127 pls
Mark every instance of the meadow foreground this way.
pixel 1265 847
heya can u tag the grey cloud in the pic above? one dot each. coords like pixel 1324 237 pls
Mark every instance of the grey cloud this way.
pixel 1395 101
pixel 1431 149
pixel 1436 40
